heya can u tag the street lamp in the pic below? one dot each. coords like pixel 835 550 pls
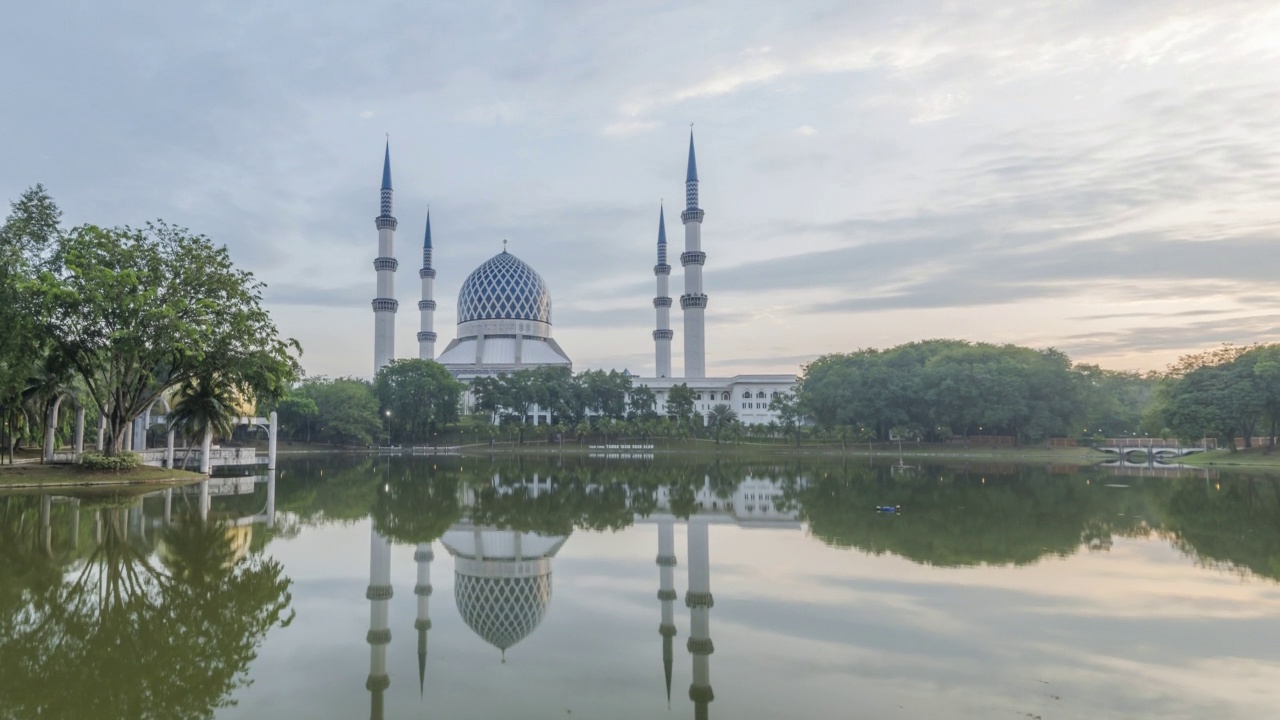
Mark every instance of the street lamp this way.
pixel 387 425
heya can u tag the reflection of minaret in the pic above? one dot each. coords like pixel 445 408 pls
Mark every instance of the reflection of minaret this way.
pixel 699 601
pixel 423 556
pixel 379 595
pixel 667 594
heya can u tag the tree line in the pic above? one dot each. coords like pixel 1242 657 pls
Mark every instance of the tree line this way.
pixel 937 390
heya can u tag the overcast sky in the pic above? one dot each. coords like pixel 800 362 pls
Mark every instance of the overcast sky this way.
pixel 1102 177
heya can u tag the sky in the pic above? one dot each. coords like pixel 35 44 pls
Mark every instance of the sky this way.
pixel 1094 176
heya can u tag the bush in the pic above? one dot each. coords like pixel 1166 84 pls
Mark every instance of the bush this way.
pixel 110 463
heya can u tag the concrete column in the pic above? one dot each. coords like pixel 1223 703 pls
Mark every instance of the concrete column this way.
pixel 102 431
pixel 79 430
pixel 271 441
pixel 142 431
pixel 168 451
pixel 50 427
pixel 206 447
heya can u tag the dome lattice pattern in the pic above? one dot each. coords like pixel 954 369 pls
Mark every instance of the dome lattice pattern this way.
pixel 503 611
pixel 504 288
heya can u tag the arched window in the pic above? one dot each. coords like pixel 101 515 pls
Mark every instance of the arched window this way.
pixel 699 396
pixel 775 393
pixel 746 394
pixel 760 394
pixel 725 396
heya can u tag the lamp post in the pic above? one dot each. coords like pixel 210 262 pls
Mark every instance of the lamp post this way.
pixel 387 425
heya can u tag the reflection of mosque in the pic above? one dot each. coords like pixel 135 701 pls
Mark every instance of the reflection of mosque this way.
pixel 502 578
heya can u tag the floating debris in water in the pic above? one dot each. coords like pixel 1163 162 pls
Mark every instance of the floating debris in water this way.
pixel 891 509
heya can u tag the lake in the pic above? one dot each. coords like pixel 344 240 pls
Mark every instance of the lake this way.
pixel 539 587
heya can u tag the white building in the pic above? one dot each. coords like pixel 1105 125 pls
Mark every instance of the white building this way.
pixel 504 318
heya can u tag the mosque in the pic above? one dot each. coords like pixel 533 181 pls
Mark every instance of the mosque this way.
pixel 504 317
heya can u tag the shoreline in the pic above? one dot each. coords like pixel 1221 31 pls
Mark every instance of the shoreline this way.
pixel 47 478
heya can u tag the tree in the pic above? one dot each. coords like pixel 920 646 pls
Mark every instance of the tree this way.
pixel 720 418
pixel 642 404
pixel 346 410
pixel 680 403
pixel 138 312
pixel 296 412
pixel 421 395
pixel 787 406
pixel 204 408
pixel 27 238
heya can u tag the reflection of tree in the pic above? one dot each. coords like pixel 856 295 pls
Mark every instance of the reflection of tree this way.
pixel 956 519
pixel 1233 523
pixel 418 508
pixel 122 637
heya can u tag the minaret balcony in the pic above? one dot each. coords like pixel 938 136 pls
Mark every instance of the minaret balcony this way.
pixel 426 272
pixel 385 222
pixel 426 304
pixel 662 269
pixel 693 301
pixel 385 263
pixel 385 305
pixel 663 334
pixel 691 215
pixel 693 257
pixel 378 637
pixel 661 302
pixel 426 336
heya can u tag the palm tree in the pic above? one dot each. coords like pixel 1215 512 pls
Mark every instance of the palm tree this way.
pixel 203 409
pixel 720 417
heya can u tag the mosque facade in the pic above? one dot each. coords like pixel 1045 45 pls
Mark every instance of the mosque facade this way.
pixel 504 317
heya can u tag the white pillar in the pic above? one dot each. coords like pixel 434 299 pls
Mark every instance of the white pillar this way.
pixel 168 450
pixel 271 440
pixel 662 304
pixel 385 304
pixel 102 430
pixel 50 428
pixel 79 430
pixel 693 302
pixel 142 430
pixel 427 305
pixel 206 449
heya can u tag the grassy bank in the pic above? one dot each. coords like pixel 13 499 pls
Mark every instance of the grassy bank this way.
pixel 44 477
pixel 1252 458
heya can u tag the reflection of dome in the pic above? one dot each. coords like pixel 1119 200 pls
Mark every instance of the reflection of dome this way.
pixel 502 610
pixel 502 580
pixel 504 288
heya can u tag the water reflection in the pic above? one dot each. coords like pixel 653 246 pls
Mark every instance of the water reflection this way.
pixel 162 602
pixel 119 617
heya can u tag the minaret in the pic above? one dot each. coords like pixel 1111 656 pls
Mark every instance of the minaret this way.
pixel 427 305
pixel 667 594
pixel 693 302
pixel 423 556
pixel 379 596
pixel 662 304
pixel 699 601
pixel 385 304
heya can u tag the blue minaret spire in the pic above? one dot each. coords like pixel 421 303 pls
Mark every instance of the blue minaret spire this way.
pixel 427 305
pixel 693 302
pixel 385 304
pixel 662 304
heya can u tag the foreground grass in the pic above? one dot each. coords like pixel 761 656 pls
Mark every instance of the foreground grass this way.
pixel 47 476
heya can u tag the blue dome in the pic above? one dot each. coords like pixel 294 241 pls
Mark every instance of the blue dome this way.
pixel 504 288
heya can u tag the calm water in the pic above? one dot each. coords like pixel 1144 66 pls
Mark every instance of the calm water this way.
pixel 469 588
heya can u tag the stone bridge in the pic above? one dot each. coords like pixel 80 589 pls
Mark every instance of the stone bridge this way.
pixel 1151 447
